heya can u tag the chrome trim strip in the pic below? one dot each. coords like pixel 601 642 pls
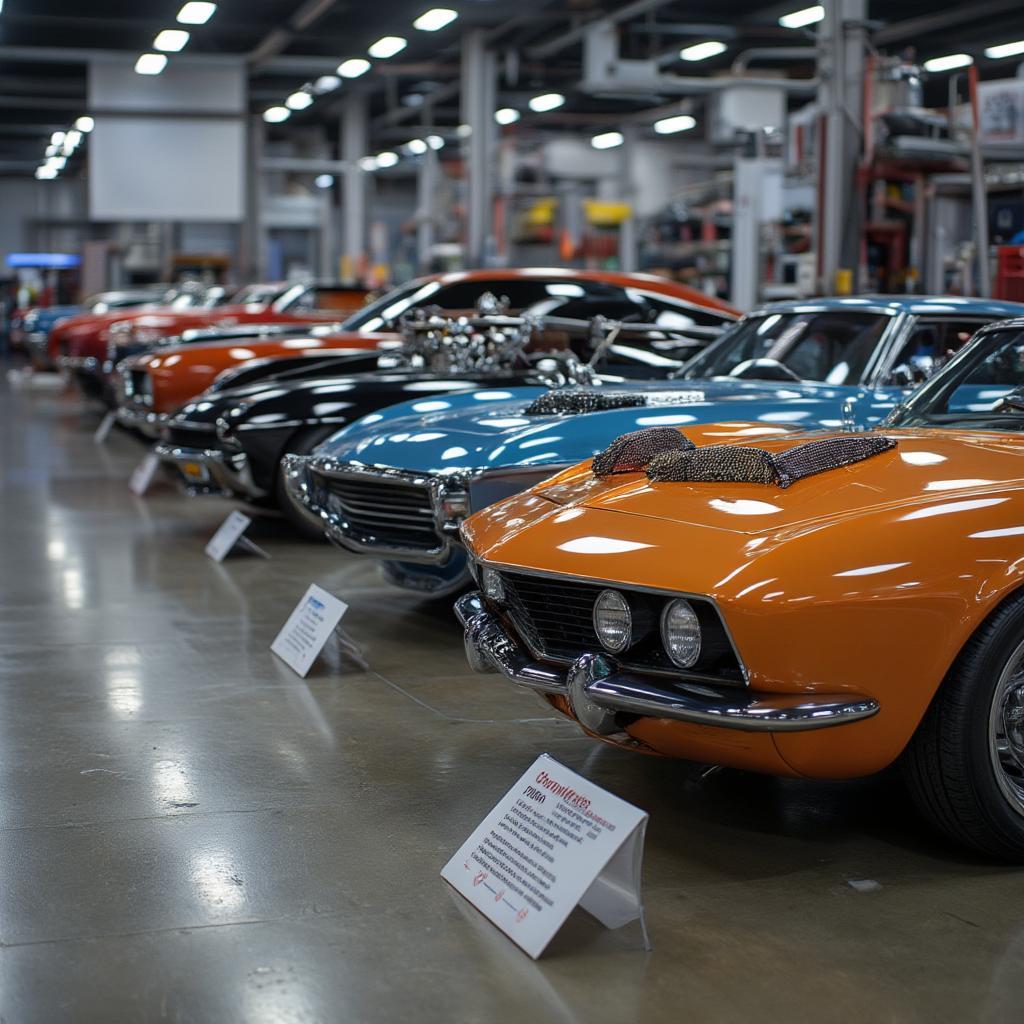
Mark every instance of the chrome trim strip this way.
pixel 144 420
pixel 230 472
pixel 598 679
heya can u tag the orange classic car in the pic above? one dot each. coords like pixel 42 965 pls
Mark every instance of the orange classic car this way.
pixel 817 605
pixel 155 384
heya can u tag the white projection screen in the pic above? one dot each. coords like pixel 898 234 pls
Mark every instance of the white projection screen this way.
pixel 167 147
pixel 165 168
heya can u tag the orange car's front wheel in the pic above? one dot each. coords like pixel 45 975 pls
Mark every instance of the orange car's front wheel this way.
pixel 965 764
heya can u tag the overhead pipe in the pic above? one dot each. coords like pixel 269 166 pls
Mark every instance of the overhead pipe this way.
pixel 576 35
pixel 761 53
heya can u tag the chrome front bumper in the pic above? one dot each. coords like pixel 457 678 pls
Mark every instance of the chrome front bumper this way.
pixel 594 684
pixel 223 473
pixel 303 490
pixel 144 420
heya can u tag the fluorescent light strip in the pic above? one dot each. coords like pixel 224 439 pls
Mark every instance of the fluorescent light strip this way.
pixel 353 67
pixel 150 64
pixel 546 101
pixel 506 115
pixel 386 46
pixel 387 159
pixel 298 101
pixel 607 140
pixel 949 63
pixel 671 125
pixel 702 51
pixel 803 18
pixel 171 40
pixel 1005 50
pixel 275 115
pixel 196 13
pixel 434 19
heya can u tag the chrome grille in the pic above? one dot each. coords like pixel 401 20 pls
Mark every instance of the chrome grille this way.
pixel 392 513
pixel 554 617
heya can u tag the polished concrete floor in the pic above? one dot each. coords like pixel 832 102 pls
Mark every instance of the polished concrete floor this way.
pixel 189 832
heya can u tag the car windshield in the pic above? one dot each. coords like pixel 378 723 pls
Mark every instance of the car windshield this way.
pixel 578 299
pixel 834 346
pixel 981 388
pixel 259 293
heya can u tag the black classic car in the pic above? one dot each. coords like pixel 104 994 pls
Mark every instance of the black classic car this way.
pixel 231 440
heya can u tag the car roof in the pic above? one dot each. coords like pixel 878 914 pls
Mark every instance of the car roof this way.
pixel 920 305
pixel 615 277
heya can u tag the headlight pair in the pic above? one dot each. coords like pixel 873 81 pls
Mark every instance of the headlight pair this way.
pixel 619 626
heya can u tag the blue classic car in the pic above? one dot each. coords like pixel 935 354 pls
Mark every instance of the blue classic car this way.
pixel 396 484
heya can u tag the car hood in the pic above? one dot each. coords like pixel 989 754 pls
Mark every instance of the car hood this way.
pixel 929 473
pixel 489 429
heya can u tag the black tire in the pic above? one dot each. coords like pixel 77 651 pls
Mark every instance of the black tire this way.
pixel 301 443
pixel 949 764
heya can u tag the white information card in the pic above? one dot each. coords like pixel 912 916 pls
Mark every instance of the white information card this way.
pixel 308 628
pixel 228 534
pixel 142 475
pixel 106 425
pixel 554 841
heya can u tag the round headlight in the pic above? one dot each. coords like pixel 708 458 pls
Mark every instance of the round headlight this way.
pixel 494 589
pixel 680 633
pixel 613 622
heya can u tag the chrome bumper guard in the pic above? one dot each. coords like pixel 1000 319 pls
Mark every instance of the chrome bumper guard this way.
pixel 302 490
pixel 144 420
pixel 227 474
pixel 598 690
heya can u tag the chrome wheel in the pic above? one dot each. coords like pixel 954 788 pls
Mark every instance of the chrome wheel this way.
pixel 1006 731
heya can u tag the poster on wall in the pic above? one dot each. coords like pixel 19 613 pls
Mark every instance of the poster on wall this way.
pixel 1001 112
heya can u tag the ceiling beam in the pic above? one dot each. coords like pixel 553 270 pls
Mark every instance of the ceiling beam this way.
pixel 958 15
pixel 279 38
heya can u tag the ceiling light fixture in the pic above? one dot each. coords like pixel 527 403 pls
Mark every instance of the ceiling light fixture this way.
pixel 607 140
pixel 73 138
pixel 57 162
pixel 506 115
pixel 434 141
pixel 85 123
pixel 671 125
pixel 948 63
pixel 275 115
pixel 803 18
pixel 416 146
pixel 326 83
pixel 464 131
pixel 368 163
pixel 57 138
pixel 171 40
pixel 323 180
pixel 387 159
pixel 434 19
pixel 46 173
pixel 386 46
pixel 546 101
pixel 298 101
pixel 353 67
pixel 150 64
pixel 1005 50
pixel 702 51
pixel 196 13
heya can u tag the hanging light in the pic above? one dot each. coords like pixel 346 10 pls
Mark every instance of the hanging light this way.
pixel 353 67
pixel 546 101
pixel 275 115
pixel 386 46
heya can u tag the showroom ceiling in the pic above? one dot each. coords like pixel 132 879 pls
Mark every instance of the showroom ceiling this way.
pixel 44 45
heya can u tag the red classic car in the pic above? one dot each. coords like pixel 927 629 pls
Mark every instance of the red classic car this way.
pixel 81 339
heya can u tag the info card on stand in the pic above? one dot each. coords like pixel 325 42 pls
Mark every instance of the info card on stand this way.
pixel 554 841
pixel 142 475
pixel 228 534
pixel 304 634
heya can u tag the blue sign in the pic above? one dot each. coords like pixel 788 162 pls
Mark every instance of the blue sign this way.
pixel 43 260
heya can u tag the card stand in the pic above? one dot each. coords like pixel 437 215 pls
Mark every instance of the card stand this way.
pixel 348 645
pixel 106 425
pixel 244 544
pixel 615 898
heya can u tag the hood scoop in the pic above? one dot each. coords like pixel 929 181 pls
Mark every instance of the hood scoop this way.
pixel 570 403
pixel 632 452
pixel 724 463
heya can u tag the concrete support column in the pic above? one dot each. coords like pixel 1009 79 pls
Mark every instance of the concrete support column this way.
pixel 841 43
pixel 479 72
pixel 426 216
pixel 252 238
pixel 355 139
pixel 629 247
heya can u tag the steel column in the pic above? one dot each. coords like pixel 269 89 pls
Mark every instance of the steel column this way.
pixel 841 42
pixel 355 139
pixel 478 98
